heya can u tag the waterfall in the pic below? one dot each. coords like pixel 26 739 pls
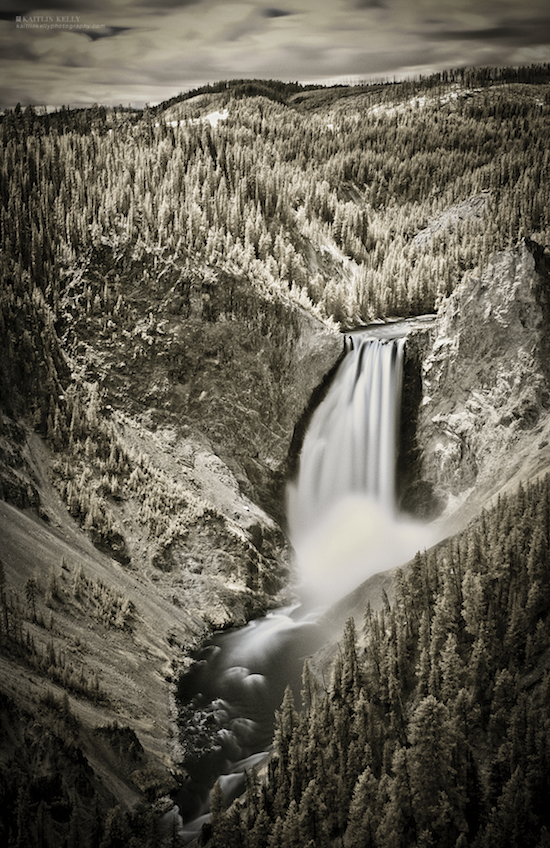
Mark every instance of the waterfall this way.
pixel 344 527
pixel 350 446
pixel 342 514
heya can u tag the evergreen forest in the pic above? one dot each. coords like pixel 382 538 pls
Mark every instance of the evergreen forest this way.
pixel 327 199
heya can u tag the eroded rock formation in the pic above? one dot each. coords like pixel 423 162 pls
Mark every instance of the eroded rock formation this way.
pixel 484 417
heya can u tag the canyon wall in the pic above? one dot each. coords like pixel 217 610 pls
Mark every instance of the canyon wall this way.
pixel 143 512
pixel 479 383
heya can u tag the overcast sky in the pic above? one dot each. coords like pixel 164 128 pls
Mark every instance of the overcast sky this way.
pixel 80 52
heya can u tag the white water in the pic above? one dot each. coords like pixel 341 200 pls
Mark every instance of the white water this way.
pixel 235 686
pixel 343 520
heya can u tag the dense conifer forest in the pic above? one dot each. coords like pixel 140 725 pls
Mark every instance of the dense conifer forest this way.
pixel 287 192
pixel 434 730
pixel 355 203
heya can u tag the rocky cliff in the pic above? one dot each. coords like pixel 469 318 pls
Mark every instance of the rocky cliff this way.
pixel 483 422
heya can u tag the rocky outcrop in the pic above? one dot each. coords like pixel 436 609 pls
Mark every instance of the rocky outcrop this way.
pixel 484 418
pixel 474 210
pixel 416 495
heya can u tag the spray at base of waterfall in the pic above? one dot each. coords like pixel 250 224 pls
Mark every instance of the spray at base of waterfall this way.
pixel 353 540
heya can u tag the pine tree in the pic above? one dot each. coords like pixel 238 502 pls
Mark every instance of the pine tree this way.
pixel 437 800
pixel 312 818
pixel 363 818
pixel 451 670
pixel 31 589
pixel 310 688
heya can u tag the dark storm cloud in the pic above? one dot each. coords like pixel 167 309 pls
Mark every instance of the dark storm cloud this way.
pixel 11 16
pixel 368 4
pixel 40 6
pixel 37 7
pixel 106 32
pixel 274 13
pixel 518 32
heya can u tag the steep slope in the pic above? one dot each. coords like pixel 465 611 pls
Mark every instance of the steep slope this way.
pixel 484 423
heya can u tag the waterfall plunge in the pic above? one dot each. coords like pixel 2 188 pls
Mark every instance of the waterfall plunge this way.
pixel 342 516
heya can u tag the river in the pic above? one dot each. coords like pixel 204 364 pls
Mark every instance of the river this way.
pixel 230 696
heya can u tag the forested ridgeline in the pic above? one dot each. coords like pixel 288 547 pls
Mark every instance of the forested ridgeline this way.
pixel 323 202
pixel 435 728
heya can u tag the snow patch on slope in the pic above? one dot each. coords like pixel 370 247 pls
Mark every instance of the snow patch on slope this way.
pixel 213 119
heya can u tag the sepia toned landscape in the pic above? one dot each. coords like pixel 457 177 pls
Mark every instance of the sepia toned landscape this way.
pixel 183 287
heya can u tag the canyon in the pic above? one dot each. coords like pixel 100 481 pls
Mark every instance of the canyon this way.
pixel 229 447
pixel 475 423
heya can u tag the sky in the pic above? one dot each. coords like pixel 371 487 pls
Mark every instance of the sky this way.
pixel 132 52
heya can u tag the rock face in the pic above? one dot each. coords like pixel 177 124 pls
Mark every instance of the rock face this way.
pixel 474 210
pixel 484 415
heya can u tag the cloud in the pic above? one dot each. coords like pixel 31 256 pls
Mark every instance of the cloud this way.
pixel 105 32
pixel 369 4
pixel 168 4
pixel 274 13
pixel 509 32
pixel 172 45
pixel 13 52
pixel 255 22
pixel 11 16
pixel 38 7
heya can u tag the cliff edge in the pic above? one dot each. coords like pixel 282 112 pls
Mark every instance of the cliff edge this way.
pixel 484 421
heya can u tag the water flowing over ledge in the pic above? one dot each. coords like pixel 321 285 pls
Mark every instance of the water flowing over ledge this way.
pixel 341 510
pixel 350 446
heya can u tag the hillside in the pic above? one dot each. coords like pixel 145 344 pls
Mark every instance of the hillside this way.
pixel 126 536
pixel 172 286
